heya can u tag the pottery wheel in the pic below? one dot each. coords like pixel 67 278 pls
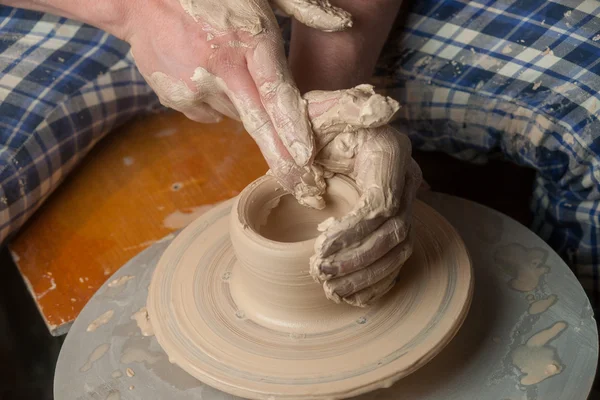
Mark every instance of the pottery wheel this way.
pixel 203 330
pixel 118 361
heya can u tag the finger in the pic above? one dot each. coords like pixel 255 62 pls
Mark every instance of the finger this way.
pixel 340 288
pixel 203 113
pixel 380 167
pixel 332 112
pixel 391 233
pixel 281 99
pixel 374 292
pixel 319 14
pixel 222 104
pixel 293 178
pixel 175 94
pixel 353 258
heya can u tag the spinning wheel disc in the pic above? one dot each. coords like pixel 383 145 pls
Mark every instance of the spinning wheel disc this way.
pixel 204 331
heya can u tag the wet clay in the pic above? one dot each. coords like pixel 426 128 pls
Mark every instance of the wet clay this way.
pixel 244 315
pixel 535 359
pixel 525 266
pixel 540 306
pixel 143 322
pixel 97 354
pixel 120 281
pixel 116 395
pixel 101 320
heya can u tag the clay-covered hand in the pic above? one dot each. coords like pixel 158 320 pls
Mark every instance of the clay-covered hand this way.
pixel 208 58
pixel 358 256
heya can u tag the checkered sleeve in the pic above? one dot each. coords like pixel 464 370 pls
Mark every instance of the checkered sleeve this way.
pixel 519 79
pixel 63 86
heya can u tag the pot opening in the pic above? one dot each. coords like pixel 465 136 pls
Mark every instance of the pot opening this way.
pixel 286 221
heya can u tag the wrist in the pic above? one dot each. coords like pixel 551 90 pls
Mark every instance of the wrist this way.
pixel 326 61
pixel 331 61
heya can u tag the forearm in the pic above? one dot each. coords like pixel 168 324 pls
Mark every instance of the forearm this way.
pixel 109 15
pixel 331 61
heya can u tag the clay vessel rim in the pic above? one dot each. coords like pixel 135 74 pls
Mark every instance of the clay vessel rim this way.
pixel 246 197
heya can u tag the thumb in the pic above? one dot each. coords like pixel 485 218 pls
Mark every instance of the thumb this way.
pixel 332 112
pixel 318 14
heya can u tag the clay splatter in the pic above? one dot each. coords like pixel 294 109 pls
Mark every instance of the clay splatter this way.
pixel 530 298
pixel 423 61
pixel 535 360
pixel 133 355
pixel 179 219
pixel 542 305
pixel 145 244
pixel 101 320
pixel 14 255
pixel 120 281
pixel 97 354
pixel 116 395
pixel 143 322
pixel 51 288
pixel 525 266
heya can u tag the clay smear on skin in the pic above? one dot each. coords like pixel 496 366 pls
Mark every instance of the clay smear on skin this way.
pixel 535 359
pixel 143 322
pixel 97 354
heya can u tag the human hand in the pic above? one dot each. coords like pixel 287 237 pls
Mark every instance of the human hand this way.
pixel 358 257
pixel 209 58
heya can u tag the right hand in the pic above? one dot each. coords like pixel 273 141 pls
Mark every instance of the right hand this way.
pixel 208 58
pixel 358 256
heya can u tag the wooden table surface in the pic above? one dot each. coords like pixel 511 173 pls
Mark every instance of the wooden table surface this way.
pixel 147 179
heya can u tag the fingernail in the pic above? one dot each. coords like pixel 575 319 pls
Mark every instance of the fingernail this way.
pixel 301 153
pixel 329 270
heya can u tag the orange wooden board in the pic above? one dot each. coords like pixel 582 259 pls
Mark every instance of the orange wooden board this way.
pixel 144 181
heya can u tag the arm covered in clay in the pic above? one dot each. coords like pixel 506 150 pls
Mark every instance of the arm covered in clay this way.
pixel 209 58
pixel 344 59
pixel 358 257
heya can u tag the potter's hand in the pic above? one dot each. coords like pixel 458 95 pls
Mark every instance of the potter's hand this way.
pixel 208 58
pixel 358 256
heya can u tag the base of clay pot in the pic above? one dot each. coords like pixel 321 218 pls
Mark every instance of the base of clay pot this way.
pixel 221 342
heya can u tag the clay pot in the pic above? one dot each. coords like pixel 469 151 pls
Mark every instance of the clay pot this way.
pixel 273 239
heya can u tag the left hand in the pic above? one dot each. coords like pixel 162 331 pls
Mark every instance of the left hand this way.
pixel 208 58
pixel 358 257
